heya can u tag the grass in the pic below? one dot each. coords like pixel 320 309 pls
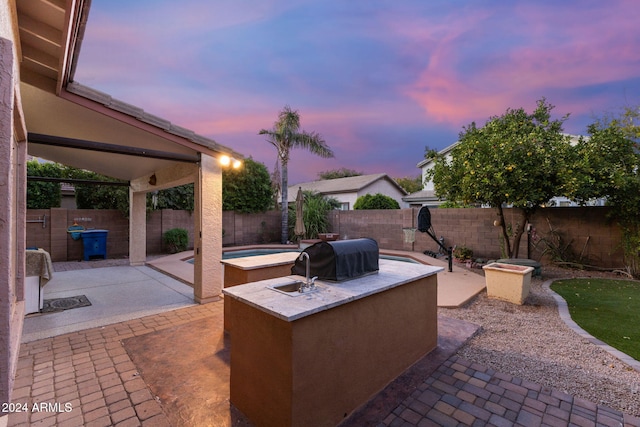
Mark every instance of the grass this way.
pixel 607 309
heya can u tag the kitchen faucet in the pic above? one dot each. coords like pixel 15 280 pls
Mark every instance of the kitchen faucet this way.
pixel 310 282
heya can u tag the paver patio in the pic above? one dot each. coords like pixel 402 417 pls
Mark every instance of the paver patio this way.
pixel 100 377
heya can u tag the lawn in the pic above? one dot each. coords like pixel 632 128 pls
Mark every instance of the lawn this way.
pixel 607 309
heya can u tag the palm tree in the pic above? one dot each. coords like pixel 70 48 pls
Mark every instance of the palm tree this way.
pixel 285 135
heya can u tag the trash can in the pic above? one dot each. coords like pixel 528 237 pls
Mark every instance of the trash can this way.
pixel 94 243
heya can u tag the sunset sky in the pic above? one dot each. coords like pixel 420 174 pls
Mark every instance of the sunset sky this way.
pixel 379 79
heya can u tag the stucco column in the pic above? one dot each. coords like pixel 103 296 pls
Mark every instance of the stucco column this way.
pixel 12 219
pixel 208 231
pixel 137 227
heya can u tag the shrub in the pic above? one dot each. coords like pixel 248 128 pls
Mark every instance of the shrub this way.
pixel 462 253
pixel 315 211
pixel 377 201
pixel 176 240
pixel 40 194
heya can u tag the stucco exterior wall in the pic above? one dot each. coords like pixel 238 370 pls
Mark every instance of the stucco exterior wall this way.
pixel 384 187
pixel 349 198
pixel 12 208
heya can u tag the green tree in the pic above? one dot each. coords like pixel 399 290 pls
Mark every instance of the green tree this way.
pixel 176 198
pixel 338 173
pixel 410 185
pixel 284 136
pixel 40 194
pixel 92 196
pixel 247 189
pixel 376 201
pixel 606 165
pixel 516 159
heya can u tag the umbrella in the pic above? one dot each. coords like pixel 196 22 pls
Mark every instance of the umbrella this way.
pixel 299 229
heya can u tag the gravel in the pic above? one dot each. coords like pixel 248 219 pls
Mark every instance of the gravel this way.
pixel 532 342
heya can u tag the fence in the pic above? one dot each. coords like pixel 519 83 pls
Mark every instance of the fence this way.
pixel 582 234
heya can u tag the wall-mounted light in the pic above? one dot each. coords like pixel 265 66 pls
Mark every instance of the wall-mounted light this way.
pixel 229 161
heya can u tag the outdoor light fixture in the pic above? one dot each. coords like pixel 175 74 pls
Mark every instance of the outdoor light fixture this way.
pixel 229 161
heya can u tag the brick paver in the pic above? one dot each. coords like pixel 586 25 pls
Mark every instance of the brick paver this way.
pixel 460 392
pixel 87 378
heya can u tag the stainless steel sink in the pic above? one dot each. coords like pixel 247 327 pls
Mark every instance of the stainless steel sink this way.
pixel 288 287
pixel 291 288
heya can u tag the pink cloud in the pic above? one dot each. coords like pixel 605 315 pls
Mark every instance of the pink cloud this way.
pixel 553 53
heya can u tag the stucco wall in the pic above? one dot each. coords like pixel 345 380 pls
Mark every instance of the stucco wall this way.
pixel 12 208
pixel 349 198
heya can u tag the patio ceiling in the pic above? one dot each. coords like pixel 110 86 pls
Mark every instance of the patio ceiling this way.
pixel 50 34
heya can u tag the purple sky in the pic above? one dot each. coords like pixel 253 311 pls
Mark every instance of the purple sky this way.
pixel 378 79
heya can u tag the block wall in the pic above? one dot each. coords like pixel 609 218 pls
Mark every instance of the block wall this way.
pixel 585 234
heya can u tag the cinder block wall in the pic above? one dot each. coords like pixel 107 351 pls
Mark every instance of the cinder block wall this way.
pixel 250 229
pixel 586 232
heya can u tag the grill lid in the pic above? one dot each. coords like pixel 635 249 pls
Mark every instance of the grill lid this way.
pixel 340 260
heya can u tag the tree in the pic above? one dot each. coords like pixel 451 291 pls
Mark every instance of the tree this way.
pixel 607 165
pixel 40 194
pixel 338 173
pixel 91 196
pixel 410 185
pixel 516 159
pixel 376 201
pixel 176 198
pixel 284 136
pixel 248 189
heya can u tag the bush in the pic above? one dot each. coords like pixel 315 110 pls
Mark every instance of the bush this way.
pixel 40 194
pixel 315 210
pixel 377 201
pixel 248 189
pixel 462 253
pixel 176 240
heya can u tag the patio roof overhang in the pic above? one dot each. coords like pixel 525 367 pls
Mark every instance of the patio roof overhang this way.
pixel 50 34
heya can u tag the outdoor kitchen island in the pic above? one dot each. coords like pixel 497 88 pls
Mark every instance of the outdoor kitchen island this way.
pixel 302 359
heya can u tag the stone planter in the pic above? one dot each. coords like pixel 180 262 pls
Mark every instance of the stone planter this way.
pixel 508 282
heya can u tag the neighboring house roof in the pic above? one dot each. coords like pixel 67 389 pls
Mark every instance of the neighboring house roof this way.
pixel 442 152
pixel 420 196
pixel 342 185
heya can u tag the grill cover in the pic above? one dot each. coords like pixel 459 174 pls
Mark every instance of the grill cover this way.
pixel 340 260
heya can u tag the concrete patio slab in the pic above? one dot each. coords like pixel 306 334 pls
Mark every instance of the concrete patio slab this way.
pixel 116 294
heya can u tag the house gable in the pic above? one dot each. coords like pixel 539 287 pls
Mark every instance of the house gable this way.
pixel 347 190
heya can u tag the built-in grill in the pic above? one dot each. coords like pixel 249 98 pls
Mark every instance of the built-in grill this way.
pixel 340 260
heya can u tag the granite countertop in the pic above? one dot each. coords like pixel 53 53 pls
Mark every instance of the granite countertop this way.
pixel 329 294
pixel 261 261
